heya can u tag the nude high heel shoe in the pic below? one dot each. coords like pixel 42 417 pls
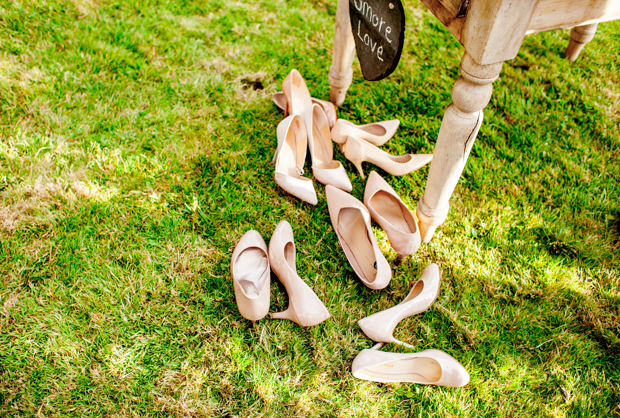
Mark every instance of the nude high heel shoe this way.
pixel 351 222
pixel 296 93
pixel 377 133
pixel 380 326
pixel 428 367
pixel 305 308
pixel 290 157
pixel 358 151
pixel 325 169
pixel 328 107
pixel 251 276
pixel 389 211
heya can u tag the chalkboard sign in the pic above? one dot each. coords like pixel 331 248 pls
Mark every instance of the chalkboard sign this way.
pixel 379 33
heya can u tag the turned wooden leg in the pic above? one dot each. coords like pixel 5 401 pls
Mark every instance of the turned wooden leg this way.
pixel 343 51
pixel 459 128
pixel 579 37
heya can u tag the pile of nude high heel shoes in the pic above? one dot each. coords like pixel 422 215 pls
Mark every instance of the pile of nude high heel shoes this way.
pixel 251 267
pixel 313 125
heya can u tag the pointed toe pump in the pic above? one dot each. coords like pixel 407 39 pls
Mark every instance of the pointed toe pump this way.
pixel 290 157
pixel 351 222
pixel 358 151
pixel 296 93
pixel 325 169
pixel 380 326
pixel 377 133
pixel 251 274
pixel 305 308
pixel 328 107
pixel 428 367
pixel 389 211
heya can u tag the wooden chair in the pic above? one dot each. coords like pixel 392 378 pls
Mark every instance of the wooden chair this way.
pixel 491 31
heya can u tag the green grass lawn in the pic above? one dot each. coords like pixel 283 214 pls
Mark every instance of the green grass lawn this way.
pixel 135 142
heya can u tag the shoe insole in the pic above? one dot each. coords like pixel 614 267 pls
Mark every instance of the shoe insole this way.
pixel 321 144
pixel 392 211
pixel 416 160
pixel 249 268
pixel 286 162
pixel 289 255
pixel 420 369
pixel 374 129
pixel 358 246
pixel 417 289
pixel 401 159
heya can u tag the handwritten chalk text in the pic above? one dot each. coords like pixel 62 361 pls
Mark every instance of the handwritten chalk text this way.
pixel 368 41
pixel 373 18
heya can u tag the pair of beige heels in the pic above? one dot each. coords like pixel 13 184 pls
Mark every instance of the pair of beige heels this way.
pixel 360 143
pixel 251 266
pixel 426 367
pixel 307 128
pixel 351 221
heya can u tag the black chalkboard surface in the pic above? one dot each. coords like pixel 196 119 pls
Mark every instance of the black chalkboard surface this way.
pixel 379 33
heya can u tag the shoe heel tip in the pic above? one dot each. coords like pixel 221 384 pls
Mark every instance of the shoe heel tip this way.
pixel 404 344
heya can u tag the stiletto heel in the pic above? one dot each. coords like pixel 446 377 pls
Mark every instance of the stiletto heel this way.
pixel 358 165
pixel 357 150
pixel 380 326
pixel 395 341
pixel 305 308
pixel 354 153
pixel 287 314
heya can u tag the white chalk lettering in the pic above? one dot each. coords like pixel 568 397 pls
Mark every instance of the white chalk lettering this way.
pixel 358 30
pixel 381 24
pixel 388 30
pixel 367 11
pixel 358 6
pixel 368 41
pixel 375 19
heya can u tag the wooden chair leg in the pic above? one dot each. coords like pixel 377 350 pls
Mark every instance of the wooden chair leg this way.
pixel 459 128
pixel 343 51
pixel 579 37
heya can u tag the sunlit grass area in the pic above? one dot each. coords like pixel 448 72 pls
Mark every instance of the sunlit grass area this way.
pixel 135 141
